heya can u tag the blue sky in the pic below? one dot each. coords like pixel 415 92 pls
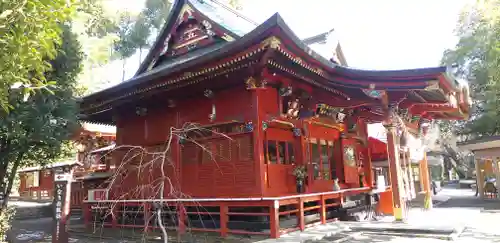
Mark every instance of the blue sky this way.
pixel 381 34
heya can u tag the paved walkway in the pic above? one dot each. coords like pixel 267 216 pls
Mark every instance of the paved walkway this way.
pixel 475 218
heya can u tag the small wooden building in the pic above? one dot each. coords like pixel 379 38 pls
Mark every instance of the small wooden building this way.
pixel 487 164
pixel 223 111
pixel 37 183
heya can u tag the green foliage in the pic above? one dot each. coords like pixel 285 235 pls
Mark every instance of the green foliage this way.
pixel 155 13
pixel 36 131
pixel 29 31
pixel 236 4
pixel 135 32
pixel 96 26
pixel 6 217
pixel 477 57
pixel 124 46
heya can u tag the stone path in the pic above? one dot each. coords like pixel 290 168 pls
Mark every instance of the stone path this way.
pixel 478 220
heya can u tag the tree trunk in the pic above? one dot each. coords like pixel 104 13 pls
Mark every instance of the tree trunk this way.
pixel 123 69
pixel 12 176
pixel 4 161
pixel 140 55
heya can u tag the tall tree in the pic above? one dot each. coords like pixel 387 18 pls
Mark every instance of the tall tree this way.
pixel 96 27
pixel 124 47
pixel 35 131
pixel 477 58
pixel 29 31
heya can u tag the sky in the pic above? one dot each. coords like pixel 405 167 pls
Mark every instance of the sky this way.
pixel 382 34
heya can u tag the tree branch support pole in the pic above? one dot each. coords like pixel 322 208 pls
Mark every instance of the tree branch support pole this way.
pixel 395 173
pixel 426 182
pixel 410 175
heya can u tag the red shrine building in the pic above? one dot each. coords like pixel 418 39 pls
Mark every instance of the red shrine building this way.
pixel 250 124
pixel 91 140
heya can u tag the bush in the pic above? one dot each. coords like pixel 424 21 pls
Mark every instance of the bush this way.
pixel 6 217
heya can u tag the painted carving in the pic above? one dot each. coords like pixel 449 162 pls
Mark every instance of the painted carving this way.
pixel 190 35
pixel 330 112
pixel 271 42
pixel 285 91
pixel 349 157
pixel 377 94
pixel 432 85
pixel 165 45
pixel 293 108
pixel 251 83
pixel 453 100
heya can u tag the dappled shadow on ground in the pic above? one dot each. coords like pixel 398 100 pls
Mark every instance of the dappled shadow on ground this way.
pixel 479 235
pixel 365 238
pixel 472 202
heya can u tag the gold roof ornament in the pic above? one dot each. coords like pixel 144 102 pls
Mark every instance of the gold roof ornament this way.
pixel 432 85
pixel 271 42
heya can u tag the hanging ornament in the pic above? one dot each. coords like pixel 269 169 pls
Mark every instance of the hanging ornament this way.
pixel 249 127
pixel 297 132
pixel 182 139
pixel 264 125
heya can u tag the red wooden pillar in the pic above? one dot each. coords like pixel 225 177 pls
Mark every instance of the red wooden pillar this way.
pixel 426 181
pixel 181 218
pixel 224 218
pixel 147 216
pixel 305 152
pixel 274 219
pixel 300 215
pixel 395 172
pixel 366 151
pixel 86 210
pixel 322 210
pixel 258 137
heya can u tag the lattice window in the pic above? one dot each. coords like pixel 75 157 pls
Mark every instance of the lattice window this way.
pixel 207 154
pixel 223 150
pixel 322 152
pixel 245 148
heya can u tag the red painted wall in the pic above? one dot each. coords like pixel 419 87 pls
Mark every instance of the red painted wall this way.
pixel 237 168
pixel 229 175
pixel 46 184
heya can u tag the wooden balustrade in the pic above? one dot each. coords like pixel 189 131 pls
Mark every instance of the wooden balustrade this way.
pixel 268 216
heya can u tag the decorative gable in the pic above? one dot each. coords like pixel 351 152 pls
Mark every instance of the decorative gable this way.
pixel 190 27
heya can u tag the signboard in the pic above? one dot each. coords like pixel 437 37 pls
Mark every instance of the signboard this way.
pixel 97 195
pixel 63 177
pixel 61 203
